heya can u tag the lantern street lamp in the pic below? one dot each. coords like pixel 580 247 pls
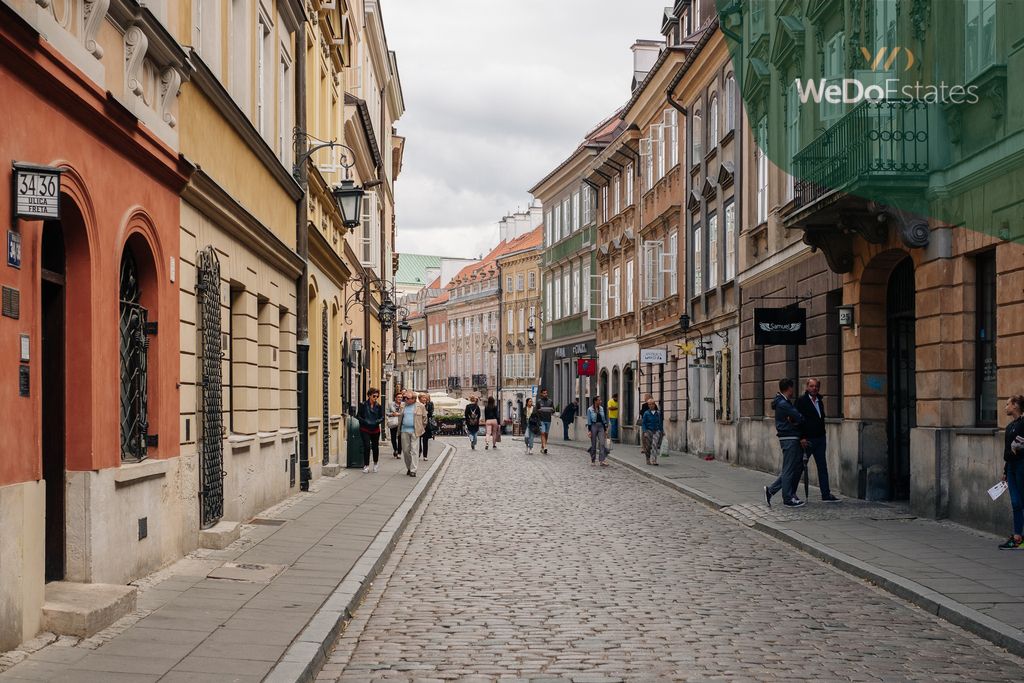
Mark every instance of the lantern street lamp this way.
pixel 531 331
pixel 410 355
pixel 349 198
pixel 404 329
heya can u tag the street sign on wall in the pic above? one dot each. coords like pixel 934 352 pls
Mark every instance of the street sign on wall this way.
pixel 780 326
pixel 13 249
pixel 658 356
pixel 36 192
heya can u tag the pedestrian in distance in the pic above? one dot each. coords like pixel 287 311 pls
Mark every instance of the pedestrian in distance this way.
pixel 530 421
pixel 568 417
pixel 546 410
pixel 491 424
pixel 654 431
pixel 787 427
pixel 394 421
pixel 472 416
pixel 597 427
pixel 414 425
pixel 1013 469
pixel 812 435
pixel 371 417
pixel 613 416
pixel 430 426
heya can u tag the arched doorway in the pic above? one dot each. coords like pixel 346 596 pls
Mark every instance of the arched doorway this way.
pixel 628 402
pixel 53 394
pixel 902 394
pixel 603 391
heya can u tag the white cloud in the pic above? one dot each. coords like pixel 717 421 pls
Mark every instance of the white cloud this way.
pixel 497 95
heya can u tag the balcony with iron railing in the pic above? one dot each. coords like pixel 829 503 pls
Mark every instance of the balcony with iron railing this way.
pixel 878 147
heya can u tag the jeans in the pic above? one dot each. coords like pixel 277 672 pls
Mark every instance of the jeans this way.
pixel 565 429
pixel 472 435
pixel 408 438
pixel 528 438
pixel 1015 482
pixel 394 440
pixel 792 465
pixel 598 450
pixel 615 428
pixel 816 447
pixel 424 444
pixel 371 443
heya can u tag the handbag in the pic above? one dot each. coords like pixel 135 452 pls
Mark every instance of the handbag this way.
pixel 608 445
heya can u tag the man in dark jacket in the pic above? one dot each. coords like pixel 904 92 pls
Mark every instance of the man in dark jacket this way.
pixel 812 433
pixel 568 416
pixel 787 427
pixel 545 411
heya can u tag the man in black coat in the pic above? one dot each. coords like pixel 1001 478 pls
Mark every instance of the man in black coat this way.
pixel 812 434
pixel 568 416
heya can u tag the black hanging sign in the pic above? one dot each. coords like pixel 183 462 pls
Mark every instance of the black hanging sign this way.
pixel 780 326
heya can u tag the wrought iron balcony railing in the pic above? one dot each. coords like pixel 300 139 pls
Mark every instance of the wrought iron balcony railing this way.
pixel 876 141
pixel 454 383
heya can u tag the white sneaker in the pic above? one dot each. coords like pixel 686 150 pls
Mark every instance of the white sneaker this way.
pixel 376 468
pixel 366 469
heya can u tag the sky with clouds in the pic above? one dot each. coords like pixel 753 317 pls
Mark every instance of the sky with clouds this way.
pixel 497 94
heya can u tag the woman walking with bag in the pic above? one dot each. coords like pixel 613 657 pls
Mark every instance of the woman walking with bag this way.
pixel 1013 469
pixel 531 424
pixel 597 427
pixel 395 421
pixel 431 425
pixel 654 431
pixel 491 421
pixel 371 416
pixel 472 415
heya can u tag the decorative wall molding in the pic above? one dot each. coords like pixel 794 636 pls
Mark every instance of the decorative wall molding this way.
pixel 93 13
pixel 135 45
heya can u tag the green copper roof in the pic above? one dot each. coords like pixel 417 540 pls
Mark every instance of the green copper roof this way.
pixel 412 268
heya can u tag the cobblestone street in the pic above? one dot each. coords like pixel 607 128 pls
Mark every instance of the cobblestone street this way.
pixel 543 567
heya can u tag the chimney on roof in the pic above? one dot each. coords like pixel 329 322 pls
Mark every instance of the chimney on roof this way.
pixel 645 56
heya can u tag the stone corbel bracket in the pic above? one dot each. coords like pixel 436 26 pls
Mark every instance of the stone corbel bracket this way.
pixel 93 12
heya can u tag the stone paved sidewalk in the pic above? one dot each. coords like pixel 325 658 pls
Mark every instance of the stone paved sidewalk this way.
pixel 191 626
pixel 948 569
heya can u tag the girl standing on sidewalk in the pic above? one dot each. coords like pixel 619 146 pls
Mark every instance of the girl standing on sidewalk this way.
pixel 491 420
pixel 531 424
pixel 597 427
pixel 653 431
pixel 1013 470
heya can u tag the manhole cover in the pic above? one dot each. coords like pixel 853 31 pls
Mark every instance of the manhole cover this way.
pixel 247 571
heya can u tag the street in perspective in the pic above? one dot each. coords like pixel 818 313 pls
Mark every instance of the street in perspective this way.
pixel 580 341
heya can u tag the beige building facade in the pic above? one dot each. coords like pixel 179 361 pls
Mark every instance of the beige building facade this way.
pixel 521 318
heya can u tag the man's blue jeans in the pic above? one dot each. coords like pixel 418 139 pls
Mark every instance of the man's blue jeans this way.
pixel 472 435
pixel 614 428
pixel 1015 483
pixel 816 448
pixel 792 464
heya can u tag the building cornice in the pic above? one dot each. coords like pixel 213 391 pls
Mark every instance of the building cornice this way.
pixel 214 90
pixel 366 123
pixel 216 203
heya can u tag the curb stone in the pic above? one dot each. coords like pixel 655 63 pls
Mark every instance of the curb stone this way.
pixel 967 618
pixel 308 652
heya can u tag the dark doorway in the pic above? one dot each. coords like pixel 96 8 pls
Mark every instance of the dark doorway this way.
pixel 901 365
pixel 52 394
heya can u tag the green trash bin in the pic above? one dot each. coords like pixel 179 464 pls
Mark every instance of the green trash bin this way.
pixel 354 444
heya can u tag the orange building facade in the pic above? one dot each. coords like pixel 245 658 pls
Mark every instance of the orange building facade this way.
pixel 89 357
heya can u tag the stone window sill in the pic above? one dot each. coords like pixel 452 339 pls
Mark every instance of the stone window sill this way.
pixel 141 471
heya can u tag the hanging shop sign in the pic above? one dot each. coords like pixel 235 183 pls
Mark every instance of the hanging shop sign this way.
pixel 36 192
pixel 780 326
pixel 586 367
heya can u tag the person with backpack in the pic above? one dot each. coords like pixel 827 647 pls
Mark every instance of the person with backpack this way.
pixel 1013 469
pixel 787 427
pixel 530 423
pixel 491 424
pixel 371 416
pixel 568 417
pixel 472 417
pixel 597 427
pixel 654 431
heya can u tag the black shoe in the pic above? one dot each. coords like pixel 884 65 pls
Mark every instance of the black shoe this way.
pixel 795 503
pixel 830 499
pixel 1012 544
pixel 767 497
pixel 410 474
pixel 544 451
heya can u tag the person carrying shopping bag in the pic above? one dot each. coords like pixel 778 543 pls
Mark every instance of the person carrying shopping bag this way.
pixel 597 427
pixel 530 420
pixel 654 431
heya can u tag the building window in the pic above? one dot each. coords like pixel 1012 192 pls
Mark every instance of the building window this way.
pixel 979 35
pixel 604 204
pixel 520 283
pixel 588 205
pixel 730 103
pixel 647 163
pixel 566 216
pixel 629 286
pixel 558 297
pixel 629 184
pixel 586 285
pixel 670 122
pixel 696 138
pixel 672 258
pixel 508 283
pixel 522 320
pixel 713 122
pixel 510 316
pixel 761 163
pixel 658 150
pixel 532 279
pixel 792 134
pixel 730 241
pixel 617 195
pixel 835 66
pixel 698 260
pixel 566 295
pixel 985 366
pixel 654 281
pixel 548 299
pixel 262 34
pixel 576 211
pixel 712 251
pixel 613 293
pixel 134 362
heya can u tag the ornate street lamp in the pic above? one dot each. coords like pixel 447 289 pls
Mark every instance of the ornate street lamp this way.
pixel 684 323
pixel 387 313
pixel 410 355
pixel 531 331
pixel 349 198
pixel 404 329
